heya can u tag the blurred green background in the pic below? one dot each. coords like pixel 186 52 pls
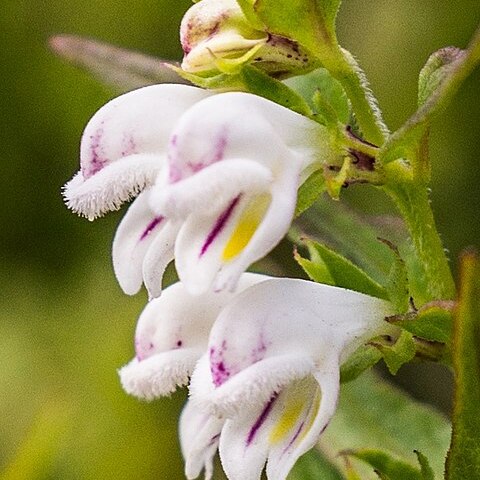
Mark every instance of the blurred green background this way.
pixel 65 326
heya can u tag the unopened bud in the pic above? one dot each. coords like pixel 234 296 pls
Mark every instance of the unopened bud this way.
pixel 216 35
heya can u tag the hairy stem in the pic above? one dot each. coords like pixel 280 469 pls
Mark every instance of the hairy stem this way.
pixel 411 198
pixel 345 69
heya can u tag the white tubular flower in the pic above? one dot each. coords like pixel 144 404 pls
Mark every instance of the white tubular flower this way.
pixel 123 148
pixel 172 333
pixel 235 162
pixel 199 438
pixel 273 368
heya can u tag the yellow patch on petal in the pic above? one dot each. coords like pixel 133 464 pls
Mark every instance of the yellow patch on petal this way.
pixel 287 421
pixel 248 223
pixel 291 415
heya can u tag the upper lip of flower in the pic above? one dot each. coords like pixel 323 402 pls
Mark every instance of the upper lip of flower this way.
pixel 272 369
pixel 172 334
pixel 232 184
pixel 225 189
pixel 123 147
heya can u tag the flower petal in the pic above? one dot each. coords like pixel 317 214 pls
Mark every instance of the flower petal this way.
pixel 158 375
pixel 172 333
pixel 124 146
pixel 210 188
pixel 271 229
pixel 246 389
pixel 111 187
pixel 135 235
pixel 244 442
pixel 202 242
pixel 199 437
pixel 269 432
pixel 314 410
pixel 157 257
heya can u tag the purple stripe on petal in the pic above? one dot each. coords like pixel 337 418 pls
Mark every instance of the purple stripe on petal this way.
pixel 219 225
pixel 295 436
pixel 151 226
pixel 214 440
pixel 261 419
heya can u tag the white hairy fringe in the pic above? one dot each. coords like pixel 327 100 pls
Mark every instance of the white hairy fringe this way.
pixel 210 188
pixel 159 375
pixel 250 387
pixel 108 189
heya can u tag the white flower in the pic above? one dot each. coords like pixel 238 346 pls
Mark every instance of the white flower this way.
pixel 235 162
pixel 273 367
pixel 122 150
pixel 227 166
pixel 124 147
pixel 172 334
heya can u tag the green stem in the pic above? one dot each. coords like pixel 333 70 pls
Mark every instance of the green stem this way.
pixel 344 68
pixel 411 198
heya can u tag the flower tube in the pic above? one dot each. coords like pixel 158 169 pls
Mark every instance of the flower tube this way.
pixel 235 162
pixel 273 369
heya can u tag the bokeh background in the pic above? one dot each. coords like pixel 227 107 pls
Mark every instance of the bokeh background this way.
pixel 65 326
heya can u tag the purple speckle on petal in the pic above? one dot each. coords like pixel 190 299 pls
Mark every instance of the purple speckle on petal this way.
pixel 219 149
pixel 260 420
pixel 143 349
pixel 219 225
pixel 128 145
pixel 97 159
pixel 220 372
pixel 150 227
pixel 258 353
pixel 179 343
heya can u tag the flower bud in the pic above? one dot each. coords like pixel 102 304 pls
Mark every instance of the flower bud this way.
pixel 217 36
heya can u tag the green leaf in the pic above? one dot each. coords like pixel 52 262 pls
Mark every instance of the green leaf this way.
pixel 324 94
pixel 436 70
pixel 363 359
pixel 397 284
pixel 446 82
pixel 309 191
pixel 314 466
pixel 122 69
pixel 311 23
pixel 463 460
pixel 344 273
pixel 315 269
pixel 215 81
pixel 249 12
pixel 425 468
pixel 386 465
pixel 354 235
pixel 375 415
pixel 401 352
pixel 432 322
pixel 260 83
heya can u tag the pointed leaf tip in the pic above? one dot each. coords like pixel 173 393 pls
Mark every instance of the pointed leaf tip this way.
pixel 118 67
